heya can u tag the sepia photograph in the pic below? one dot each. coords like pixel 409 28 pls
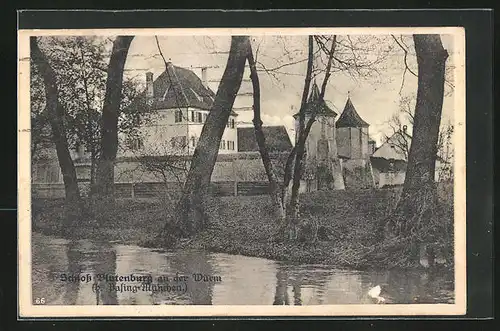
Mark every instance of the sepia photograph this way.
pixel 242 172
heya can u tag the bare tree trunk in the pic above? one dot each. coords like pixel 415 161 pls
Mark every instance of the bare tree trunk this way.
pixel 419 195
pixel 287 176
pixel 110 110
pixel 293 212
pixel 274 186
pixel 56 113
pixel 93 168
pixel 189 215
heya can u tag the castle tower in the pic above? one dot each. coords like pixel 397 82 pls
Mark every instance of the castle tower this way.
pixel 322 167
pixel 352 142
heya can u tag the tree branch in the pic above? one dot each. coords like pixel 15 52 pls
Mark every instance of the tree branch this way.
pixel 407 68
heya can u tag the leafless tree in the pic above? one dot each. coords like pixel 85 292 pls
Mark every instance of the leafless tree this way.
pixel 190 215
pixel 41 136
pixel 288 214
pixel 357 57
pixel 110 114
pixel 55 114
pixel 399 137
pixel 165 163
pixel 401 124
pixel 419 196
pixel 446 152
pixel 406 44
pixel 80 66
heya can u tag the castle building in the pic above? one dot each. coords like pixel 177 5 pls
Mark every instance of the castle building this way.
pixel 354 147
pixel 337 152
pixel 182 102
pixel 322 167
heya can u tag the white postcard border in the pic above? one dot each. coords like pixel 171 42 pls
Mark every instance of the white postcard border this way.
pixel 28 310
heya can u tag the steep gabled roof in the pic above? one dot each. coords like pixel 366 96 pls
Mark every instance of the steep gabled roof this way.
pixel 277 139
pixel 178 87
pixel 350 117
pixel 399 137
pixel 314 105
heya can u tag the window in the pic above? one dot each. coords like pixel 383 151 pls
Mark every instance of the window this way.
pixel 47 173
pixel 193 141
pixel 178 116
pixel 232 123
pixel 204 118
pixel 136 144
pixel 192 116
pixel 391 167
pixel 200 118
pixel 53 175
pixel 223 144
pixel 227 124
pixel 178 142
pixel 230 145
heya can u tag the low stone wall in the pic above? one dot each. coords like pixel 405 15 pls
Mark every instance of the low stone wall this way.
pixel 358 174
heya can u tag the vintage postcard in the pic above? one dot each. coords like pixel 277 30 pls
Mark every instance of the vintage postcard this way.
pixel 241 172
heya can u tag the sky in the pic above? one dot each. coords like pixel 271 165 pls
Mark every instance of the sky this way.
pixel 376 95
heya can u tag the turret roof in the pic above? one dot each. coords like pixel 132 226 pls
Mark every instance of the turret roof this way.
pixel 350 117
pixel 315 105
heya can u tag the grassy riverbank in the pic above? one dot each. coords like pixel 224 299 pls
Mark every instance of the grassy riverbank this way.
pixel 244 225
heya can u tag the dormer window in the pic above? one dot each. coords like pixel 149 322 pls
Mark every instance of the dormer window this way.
pixel 178 116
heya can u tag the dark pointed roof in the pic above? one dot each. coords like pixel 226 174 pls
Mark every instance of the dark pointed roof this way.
pixel 313 104
pixel 178 87
pixel 350 117
pixel 277 139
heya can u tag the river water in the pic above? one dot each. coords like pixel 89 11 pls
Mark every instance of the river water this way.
pixel 236 279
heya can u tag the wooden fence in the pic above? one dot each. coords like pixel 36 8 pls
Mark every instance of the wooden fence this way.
pixel 157 189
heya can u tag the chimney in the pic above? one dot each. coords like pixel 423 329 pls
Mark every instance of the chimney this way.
pixel 204 78
pixel 149 85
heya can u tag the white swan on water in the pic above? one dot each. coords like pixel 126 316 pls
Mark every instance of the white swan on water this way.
pixel 375 294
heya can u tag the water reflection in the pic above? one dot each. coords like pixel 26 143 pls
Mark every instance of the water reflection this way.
pixel 104 262
pixel 244 280
pixel 75 257
pixel 281 296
